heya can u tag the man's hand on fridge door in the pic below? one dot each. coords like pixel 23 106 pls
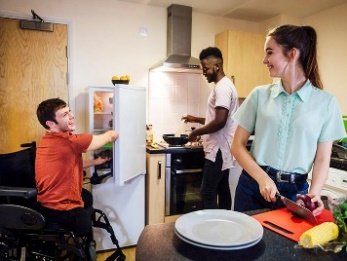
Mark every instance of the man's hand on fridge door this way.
pixel 113 135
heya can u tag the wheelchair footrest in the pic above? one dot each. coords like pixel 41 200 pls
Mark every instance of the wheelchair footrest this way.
pixel 116 255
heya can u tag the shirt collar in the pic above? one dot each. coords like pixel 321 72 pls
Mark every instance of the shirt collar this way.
pixel 304 92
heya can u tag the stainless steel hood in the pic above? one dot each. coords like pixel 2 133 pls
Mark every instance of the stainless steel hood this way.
pixel 179 36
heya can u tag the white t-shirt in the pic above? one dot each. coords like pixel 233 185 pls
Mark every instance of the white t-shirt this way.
pixel 223 95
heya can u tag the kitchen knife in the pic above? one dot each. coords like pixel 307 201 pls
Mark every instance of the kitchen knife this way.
pixel 297 210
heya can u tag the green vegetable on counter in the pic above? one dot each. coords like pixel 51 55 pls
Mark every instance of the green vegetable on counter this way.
pixel 343 207
pixel 340 215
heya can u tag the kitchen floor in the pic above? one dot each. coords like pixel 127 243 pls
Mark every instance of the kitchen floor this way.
pixel 130 252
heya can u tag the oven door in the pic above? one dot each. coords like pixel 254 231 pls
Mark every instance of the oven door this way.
pixel 183 192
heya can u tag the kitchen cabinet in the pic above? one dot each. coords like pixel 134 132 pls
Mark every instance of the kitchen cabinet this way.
pixel 155 188
pixel 243 53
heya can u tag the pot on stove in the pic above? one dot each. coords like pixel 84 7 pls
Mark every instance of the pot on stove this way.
pixel 173 139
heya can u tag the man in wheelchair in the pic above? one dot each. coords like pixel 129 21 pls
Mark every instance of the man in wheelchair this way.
pixel 61 199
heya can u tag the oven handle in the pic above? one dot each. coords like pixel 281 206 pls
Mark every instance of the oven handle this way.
pixel 186 171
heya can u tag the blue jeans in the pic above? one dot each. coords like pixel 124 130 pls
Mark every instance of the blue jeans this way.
pixel 248 197
pixel 215 183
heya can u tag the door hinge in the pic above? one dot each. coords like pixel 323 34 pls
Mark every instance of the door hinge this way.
pixel 67 58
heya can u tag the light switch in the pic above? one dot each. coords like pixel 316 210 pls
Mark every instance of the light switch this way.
pixel 143 31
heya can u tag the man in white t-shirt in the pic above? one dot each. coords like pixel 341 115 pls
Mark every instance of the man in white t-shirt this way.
pixel 218 130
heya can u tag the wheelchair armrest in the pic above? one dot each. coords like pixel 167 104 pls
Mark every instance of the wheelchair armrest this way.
pixel 18 192
pixel 20 217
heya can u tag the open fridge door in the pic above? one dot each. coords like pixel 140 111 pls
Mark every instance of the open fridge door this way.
pixel 121 196
pixel 129 118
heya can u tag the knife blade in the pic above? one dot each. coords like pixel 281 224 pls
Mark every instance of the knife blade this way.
pixel 297 210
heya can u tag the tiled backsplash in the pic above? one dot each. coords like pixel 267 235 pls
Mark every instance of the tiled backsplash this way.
pixel 171 95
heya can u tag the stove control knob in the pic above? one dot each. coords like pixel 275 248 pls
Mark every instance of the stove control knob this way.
pixel 178 161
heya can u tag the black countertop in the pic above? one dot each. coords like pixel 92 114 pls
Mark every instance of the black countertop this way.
pixel 187 149
pixel 159 242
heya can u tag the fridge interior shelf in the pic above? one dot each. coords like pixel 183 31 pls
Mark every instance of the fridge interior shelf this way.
pixel 102 113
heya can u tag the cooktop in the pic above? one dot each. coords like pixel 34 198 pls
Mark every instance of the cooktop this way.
pixel 338 158
pixel 189 145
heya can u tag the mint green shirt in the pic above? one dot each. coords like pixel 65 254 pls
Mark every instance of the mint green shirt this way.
pixel 288 127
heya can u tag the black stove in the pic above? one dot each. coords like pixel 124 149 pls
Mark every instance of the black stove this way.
pixel 338 158
pixel 338 163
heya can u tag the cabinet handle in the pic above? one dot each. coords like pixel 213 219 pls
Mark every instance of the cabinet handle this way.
pixel 232 79
pixel 159 169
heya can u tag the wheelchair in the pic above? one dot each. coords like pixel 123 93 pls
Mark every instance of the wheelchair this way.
pixel 24 232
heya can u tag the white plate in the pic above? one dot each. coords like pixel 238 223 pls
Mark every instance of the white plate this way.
pixel 218 247
pixel 219 228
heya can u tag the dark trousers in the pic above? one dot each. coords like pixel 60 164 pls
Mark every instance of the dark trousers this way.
pixel 77 220
pixel 248 197
pixel 215 189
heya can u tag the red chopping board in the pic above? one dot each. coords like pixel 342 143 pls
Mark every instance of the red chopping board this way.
pixel 293 226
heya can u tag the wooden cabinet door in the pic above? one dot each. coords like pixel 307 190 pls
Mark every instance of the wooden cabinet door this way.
pixel 155 188
pixel 243 54
pixel 33 67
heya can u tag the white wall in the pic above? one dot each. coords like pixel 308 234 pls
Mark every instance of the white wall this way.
pixel 171 95
pixel 266 25
pixel 331 29
pixel 104 40
pixel 332 38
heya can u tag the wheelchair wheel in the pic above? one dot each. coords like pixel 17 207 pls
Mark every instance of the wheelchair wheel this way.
pixel 91 250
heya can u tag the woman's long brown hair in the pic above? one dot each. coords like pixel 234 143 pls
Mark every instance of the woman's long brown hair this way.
pixel 303 38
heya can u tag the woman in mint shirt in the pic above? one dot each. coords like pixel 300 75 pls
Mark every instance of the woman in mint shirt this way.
pixel 294 123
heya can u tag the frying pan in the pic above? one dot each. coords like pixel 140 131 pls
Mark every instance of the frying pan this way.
pixel 172 140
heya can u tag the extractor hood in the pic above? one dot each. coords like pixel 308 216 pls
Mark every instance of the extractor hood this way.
pixel 179 38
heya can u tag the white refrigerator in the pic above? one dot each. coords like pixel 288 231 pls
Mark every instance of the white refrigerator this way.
pixel 122 196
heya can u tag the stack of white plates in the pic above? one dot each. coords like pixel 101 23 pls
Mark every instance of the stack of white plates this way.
pixel 219 229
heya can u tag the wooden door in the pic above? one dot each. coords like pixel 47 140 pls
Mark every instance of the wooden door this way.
pixel 33 67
